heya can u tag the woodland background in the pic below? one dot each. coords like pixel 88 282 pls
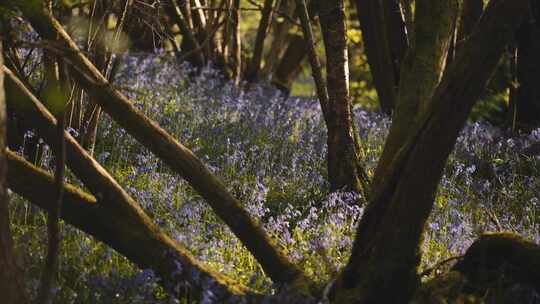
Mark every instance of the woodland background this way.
pixel 276 151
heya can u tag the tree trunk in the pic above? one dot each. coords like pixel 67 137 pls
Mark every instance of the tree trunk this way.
pixel 280 36
pixel 316 70
pixel 190 44
pixel 386 250
pixel 526 108
pixel 385 41
pixel 115 201
pixel 199 18
pixel 89 136
pixel 236 43
pixel 421 72
pixel 252 73
pixel 291 64
pixel 12 287
pixel 471 13
pixel 344 169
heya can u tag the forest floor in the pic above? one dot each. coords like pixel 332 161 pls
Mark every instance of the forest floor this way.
pixel 270 152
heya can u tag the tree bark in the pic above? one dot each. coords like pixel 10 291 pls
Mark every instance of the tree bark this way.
pixel 421 72
pixel 280 36
pixel 316 70
pixel 236 43
pixel 385 41
pixel 386 250
pixel 12 286
pixel 174 154
pixel 191 43
pixel 344 169
pixel 254 68
pixel 526 108
pixel 290 64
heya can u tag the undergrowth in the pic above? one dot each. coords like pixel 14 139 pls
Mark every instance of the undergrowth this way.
pixel 270 152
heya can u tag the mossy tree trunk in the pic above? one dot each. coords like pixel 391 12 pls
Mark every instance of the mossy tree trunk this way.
pixel 421 72
pixel 386 251
pixel 344 168
pixel 12 289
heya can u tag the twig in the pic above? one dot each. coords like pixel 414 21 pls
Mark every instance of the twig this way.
pixel 439 264
pixel 53 225
pixel 322 90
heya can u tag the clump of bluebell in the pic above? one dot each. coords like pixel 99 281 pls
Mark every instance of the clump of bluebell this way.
pixel 270 151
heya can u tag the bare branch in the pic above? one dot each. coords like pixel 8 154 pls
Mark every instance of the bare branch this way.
pixel 174 154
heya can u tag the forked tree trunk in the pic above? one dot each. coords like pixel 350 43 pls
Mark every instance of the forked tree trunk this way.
pixel 386 250
pixel 421 72
pixel 12 289
pixel 344 169
pixel 190 45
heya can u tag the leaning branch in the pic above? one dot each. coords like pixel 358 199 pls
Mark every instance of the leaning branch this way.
pixel 115 201
pixel 133 236
pixel 170 151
